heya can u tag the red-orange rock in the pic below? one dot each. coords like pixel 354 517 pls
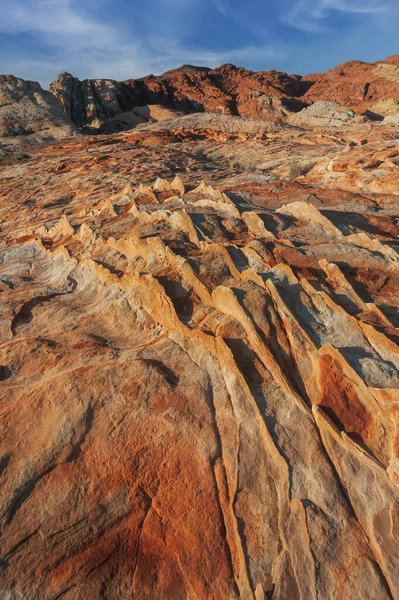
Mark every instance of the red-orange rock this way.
pixel 199 380
pixel 232 90
pixel 357 85
pixel 199 361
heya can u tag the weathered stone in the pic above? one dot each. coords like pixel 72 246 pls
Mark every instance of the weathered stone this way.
pixel 25 109
pixel 199 363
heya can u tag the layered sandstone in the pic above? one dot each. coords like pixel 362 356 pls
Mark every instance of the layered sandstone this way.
pixel 358 85
pixel 233 90
pixel 109 106
pixel 199 364
pixel 25 109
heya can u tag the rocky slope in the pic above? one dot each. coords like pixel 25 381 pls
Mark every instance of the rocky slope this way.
pixel 25 109
pixel 228 90
pixel 232 90
pixel 358 85
pixel 109 106
pixel 199 380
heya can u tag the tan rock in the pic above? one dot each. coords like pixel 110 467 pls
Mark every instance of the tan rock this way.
pixel 322 114
pixel 26 109
pixel 199 366
pixel 386 108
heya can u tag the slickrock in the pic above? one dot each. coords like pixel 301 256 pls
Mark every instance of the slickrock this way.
pixel 199 364
pixel 25 108
pixel 219 123
pixel 322 114
pixel 386 108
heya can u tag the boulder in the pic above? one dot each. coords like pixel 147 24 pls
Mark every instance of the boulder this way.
pixel 322 114
pixel 386 108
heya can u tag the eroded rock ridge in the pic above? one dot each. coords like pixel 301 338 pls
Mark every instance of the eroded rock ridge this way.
pixel 199 381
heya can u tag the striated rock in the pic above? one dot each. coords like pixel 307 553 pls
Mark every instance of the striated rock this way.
pixel 232 90
pixel 386 108
pixel 322 114
pixel 199 364
pixel 27 109
pixel 371 167
pixel 87 102
pixel 357 84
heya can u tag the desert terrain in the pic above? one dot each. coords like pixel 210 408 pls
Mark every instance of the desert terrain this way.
pixel 199 284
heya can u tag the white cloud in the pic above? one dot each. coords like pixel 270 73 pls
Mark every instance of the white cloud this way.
pixel 223 8
pixel 83 45
pixel 311 15
pixel 55 20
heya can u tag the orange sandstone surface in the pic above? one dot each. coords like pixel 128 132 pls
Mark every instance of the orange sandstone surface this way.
pixel 199 363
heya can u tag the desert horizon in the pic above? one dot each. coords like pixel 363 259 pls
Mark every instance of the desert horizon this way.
pixel 199 291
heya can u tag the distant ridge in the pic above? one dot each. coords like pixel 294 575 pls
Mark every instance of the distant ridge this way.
pixel 230 90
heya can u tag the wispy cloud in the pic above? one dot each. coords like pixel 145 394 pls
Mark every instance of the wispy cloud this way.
pixel 87 47
pixel 223 8
pixel 121 39
pixel 312 15
pixel 56 21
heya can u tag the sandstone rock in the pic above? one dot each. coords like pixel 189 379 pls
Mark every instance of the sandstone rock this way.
pixel 208 122
pixel 357 84
pixel 392 120
pixel 199 365
pixel 225 90
pixel 271 107
pixel 322 114
pixel 25 108
pixel 230 90
pixel 138 116
pixel 156 112
pixel 122 122
pixel 88 102
pixel 386 108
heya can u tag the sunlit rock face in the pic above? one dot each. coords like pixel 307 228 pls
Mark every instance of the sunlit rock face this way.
pixel 231 90
pixel 26 109
pixel 354 90
pixel 199 379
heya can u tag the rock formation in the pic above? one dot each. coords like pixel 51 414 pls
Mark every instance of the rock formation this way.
pixel 25 108
pixel 139 115
pixel 322 114
pixel 108 106
pixel 227 89
pixel 199 364
pixel 235 91
pixel 222 124
pixel 88 102
pixel 358 85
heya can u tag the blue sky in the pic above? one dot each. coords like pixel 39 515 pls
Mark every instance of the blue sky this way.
pixel 120 39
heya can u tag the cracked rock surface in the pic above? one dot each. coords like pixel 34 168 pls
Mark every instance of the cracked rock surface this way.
pixel 199 379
